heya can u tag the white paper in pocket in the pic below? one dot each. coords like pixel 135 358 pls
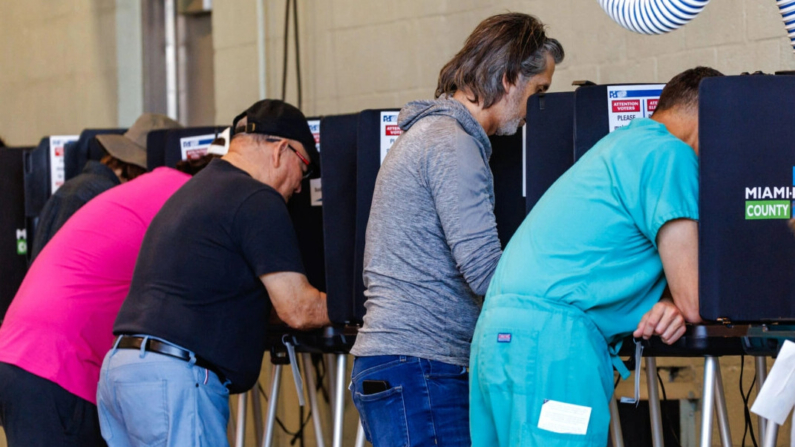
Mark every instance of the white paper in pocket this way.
pixel 560 417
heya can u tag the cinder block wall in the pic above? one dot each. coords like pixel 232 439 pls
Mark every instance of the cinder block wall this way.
pixel 358 54
pixel 57 68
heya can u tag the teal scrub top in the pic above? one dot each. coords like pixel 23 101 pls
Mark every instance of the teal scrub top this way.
pixel 591 240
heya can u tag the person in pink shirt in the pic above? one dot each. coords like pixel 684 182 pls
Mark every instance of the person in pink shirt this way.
pixel 59 325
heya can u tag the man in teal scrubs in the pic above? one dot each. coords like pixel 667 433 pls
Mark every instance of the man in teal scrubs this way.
pixel 589 266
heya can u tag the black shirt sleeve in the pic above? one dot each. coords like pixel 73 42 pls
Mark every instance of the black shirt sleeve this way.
pixel 267 237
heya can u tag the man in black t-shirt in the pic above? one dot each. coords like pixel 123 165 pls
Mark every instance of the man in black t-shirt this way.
pixel 218 255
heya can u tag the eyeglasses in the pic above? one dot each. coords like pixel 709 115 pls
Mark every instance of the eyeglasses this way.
pixel 303 159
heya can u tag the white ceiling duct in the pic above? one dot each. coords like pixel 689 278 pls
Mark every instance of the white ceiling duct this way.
pixel 787 10
pixel 655 16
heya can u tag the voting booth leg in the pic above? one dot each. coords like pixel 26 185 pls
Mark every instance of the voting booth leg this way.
pixel 276 379
pixel 708 401
pixel 615 424
pixel 309 374
pixel 360 435
pixel 760 363
pixel 240 427
pixel 339 398
pixel 771 434
pixel 256 406
pixel 654 402
pixel 331 367
pixel 720 404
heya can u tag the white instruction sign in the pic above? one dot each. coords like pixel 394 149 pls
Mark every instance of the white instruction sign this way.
pixel 389 132
pixel 315 192
pixel 314 127
pixel 195 147
pixel 561 417
pixel 57 164
pixel 777 396
pixel 627 102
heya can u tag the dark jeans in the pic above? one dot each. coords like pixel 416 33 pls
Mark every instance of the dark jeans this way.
pixel 426 402
pixel 36 412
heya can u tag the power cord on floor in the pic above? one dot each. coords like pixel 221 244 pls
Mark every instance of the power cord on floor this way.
pixel 749 426
pixel 298 434
pixel 665 410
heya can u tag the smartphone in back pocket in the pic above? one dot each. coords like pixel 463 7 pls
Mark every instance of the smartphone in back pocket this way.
pixel 374 386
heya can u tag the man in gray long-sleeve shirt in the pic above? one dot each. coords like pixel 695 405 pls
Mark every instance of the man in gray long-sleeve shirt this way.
pixel 431 245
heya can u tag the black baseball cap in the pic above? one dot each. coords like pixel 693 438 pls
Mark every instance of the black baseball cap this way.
pixel 279 119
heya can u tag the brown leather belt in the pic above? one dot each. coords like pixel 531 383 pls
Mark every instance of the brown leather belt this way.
pixel 152 345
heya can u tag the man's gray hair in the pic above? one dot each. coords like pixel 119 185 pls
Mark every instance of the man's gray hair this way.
pixel 505 45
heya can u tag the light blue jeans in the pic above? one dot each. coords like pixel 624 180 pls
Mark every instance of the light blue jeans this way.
pixel 149 399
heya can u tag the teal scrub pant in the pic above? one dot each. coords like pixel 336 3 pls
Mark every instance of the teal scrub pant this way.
pixel 527 351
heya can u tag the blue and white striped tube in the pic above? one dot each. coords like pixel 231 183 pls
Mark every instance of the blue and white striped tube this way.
pixel 787 9
pixel 655 16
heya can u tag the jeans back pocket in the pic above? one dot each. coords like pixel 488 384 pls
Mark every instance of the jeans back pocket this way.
pixel 384 417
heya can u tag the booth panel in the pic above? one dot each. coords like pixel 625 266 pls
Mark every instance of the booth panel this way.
pixel 156 149
pixel 338 165
pixel 506 167
pixel 747 189
pixel 368 162
pixel 549 142
pixel 591 122
pixel 36 184
pixel 13 235
pixel 77 154
pixel 183 143
pixel 600 109
pixel 306 211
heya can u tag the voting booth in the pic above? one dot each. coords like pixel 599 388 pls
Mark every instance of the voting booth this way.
pixel 338 141
pixel 44 173
pixel 306 211
pixel 549 142
pixel 747 190
pixel 86 147
pixel 601 109
pixel 13 234
pixel 156 149
pixel 507 168
pixel 182 144
pixel 376 132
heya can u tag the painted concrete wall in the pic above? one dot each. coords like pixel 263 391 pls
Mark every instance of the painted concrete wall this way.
pixel 358 54
pixel 57 68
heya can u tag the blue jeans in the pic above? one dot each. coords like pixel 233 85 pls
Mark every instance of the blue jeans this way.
pixel 149 399
pixel 426 402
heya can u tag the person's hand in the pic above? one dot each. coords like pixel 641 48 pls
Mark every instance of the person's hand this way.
pixel 665 320
pixel 791 224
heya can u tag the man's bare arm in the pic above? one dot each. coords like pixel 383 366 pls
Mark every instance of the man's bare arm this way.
pixel 296 302
pixel 677 242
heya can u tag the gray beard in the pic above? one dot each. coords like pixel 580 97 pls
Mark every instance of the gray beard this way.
pixel 509 127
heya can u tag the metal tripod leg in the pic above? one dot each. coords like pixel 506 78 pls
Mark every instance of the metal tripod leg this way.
pixel 276 379
pixel 771 434
pixel 360 435
pixel 720 403
pixel 760 364
pixel 654 402
pixel 708 401
pixel 339 398
pixel 309 375
pixel 240 428
pixel 256 406
pixel 615 424
pixel 331 368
